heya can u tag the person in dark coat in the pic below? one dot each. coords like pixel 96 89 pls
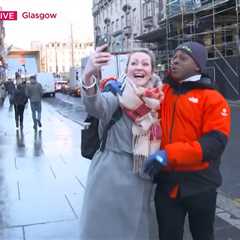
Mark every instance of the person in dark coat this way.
pixel 19 101
pixel 10 87
pixel 34 92
pixel 2 93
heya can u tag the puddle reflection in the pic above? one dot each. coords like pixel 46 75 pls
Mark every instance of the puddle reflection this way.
pixel 21 151
pixel 38 151
pixel 20 139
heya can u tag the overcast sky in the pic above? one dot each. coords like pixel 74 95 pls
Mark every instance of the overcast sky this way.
pixel 21 32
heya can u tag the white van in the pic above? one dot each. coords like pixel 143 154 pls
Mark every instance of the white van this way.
pixel 47 81
pixel 75 81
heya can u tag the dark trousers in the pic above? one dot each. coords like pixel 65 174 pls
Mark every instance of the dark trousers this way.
pixel 19 110
pixel 2 101
pixel 171 215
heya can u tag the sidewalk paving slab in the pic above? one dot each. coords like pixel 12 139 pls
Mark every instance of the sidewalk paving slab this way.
pixel 43 177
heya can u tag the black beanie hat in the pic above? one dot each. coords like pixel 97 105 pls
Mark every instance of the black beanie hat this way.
pixel 197 51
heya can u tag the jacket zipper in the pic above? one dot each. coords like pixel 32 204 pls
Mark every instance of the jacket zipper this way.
pixel 173 118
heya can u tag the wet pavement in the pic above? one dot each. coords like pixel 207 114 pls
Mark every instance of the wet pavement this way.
pixel 43 176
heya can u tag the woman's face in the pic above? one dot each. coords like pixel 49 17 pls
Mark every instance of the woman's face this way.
pixel 139 68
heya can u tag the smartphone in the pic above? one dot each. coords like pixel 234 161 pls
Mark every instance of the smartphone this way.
pixel 103 39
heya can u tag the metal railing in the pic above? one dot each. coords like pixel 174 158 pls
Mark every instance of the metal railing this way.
pixel 226 78
pixel 226 61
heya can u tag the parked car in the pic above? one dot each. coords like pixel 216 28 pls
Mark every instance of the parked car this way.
pixel 61 86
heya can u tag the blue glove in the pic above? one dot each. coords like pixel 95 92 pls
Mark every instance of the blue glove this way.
pixel 113 86
pixel 155 163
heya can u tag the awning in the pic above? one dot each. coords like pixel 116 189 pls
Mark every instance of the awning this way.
pixel 154 36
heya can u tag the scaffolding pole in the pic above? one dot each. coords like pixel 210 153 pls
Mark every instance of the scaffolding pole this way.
pixel 238 43
pixel 237 27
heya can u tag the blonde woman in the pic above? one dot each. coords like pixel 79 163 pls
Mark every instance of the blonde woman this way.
pixel 117 197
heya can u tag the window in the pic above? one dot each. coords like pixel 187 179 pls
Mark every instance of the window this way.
pixel 122 22
pixel 128 19
pixel 134 17
pixel 107 10
pixel 96 19
pixel 117 25
pixel 111 8
pixel 103 13
pixel 112 27
pixel 229 36
pixel 148 9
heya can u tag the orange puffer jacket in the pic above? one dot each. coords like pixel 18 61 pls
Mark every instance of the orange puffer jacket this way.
pixel 195 122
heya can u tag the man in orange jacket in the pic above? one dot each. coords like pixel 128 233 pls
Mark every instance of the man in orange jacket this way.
pixel 195 122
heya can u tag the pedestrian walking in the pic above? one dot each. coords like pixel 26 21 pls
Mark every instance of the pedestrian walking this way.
pixel 2 93
pixel 117 196
pixel 10 87
pixel 195 121
pixel 19 101
pixel 34 92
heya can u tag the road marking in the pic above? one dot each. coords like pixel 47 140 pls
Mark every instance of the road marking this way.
pixel 18 188
pixel 228 211
pixel 70 205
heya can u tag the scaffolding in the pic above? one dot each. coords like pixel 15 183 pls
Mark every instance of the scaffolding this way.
pixel 216 24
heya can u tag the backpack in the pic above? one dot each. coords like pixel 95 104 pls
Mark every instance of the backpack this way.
pixel 90 140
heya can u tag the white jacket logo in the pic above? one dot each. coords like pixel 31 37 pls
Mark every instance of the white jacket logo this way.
pixel 224 112
pixel 193 99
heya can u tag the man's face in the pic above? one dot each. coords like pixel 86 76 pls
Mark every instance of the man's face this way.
pixel 183 66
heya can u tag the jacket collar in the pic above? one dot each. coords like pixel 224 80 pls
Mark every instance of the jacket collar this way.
pixel 192 78
pixel 200 82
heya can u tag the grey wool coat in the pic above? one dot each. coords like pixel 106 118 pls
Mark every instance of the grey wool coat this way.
pixel 117 203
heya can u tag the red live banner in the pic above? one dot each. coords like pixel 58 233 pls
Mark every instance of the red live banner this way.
pixel 8 15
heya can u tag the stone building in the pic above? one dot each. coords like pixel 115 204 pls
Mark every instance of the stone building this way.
pixel 2 53
pixel 163 24
pixel 58 57
pixel 120 20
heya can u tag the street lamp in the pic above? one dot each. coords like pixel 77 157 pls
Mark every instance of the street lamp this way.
pixel 25 71
pixel 56 57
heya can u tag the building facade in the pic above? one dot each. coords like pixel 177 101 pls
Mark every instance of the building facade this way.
pixel 163 24
pixel 2 53
pixel 120 20
pixel 58 57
